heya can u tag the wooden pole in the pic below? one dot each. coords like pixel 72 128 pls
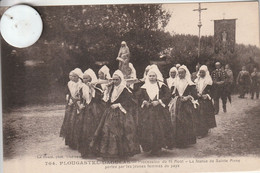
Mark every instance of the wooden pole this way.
pixel 199 25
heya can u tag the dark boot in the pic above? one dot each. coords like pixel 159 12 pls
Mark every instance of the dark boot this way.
pixel 252 95
pixel 216 105
pixel 224 108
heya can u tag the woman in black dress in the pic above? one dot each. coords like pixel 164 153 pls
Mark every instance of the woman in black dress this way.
pixel 185 109
pixel 155 124
pixel 171 83
pixel 91 111
pixel 69 129
pixel 116 135
pixel 206 109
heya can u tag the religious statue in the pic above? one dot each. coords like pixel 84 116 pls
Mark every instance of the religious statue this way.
pixel 123 58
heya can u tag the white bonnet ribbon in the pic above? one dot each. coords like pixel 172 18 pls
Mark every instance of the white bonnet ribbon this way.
pixel 194 102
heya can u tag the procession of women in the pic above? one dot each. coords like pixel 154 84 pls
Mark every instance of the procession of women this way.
pixel 119 116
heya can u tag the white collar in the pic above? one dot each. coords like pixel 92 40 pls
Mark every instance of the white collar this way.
pixel 153 91
pixel 181 86
pixel 170 82
pixel 116 92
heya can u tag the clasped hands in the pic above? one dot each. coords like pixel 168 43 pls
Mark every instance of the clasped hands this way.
pixel 118 105
pixel 81 106
pixel 203 96
pixel 186 98
pixel 114 106
pixel 153 103
pixel 220 82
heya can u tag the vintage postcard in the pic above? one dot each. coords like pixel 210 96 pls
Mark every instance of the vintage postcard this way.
pixel 132 87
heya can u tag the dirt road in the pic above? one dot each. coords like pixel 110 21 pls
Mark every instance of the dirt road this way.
pixel 34 131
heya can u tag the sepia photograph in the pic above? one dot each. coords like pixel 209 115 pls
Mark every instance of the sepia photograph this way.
pixel 131 87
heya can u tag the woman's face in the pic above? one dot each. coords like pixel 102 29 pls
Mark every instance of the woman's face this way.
pixel 101 75
pixel 182 73
pixel 202 73
pixel 71 76
pixel 152 77
pixel 116 80
pixel 75 78
pixel 173 74
pixel 129 71
pixel 86 78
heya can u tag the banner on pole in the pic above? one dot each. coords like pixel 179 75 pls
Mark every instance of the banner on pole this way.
pixel 224 35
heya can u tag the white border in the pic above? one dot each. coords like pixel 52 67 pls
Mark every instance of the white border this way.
pixel 4 3
pixel 102 2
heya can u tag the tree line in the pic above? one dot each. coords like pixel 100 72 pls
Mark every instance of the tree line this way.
pixel 87 36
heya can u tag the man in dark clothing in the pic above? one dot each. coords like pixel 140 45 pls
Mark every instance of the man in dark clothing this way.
pixel 219 78
pixel 243 81
pixel 229 82
pixel 255 76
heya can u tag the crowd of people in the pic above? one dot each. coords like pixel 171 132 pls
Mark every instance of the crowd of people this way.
pixel 119 116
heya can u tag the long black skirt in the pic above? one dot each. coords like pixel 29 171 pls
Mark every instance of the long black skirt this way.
pixel 70 127
pixel 206 117
pixel 116 135
pixel 186 122
pixel 90 117
pixel 156 130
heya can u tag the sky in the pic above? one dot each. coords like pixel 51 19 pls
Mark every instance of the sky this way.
pixel 184 20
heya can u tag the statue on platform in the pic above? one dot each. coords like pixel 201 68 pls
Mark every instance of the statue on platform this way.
pixel 123 58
